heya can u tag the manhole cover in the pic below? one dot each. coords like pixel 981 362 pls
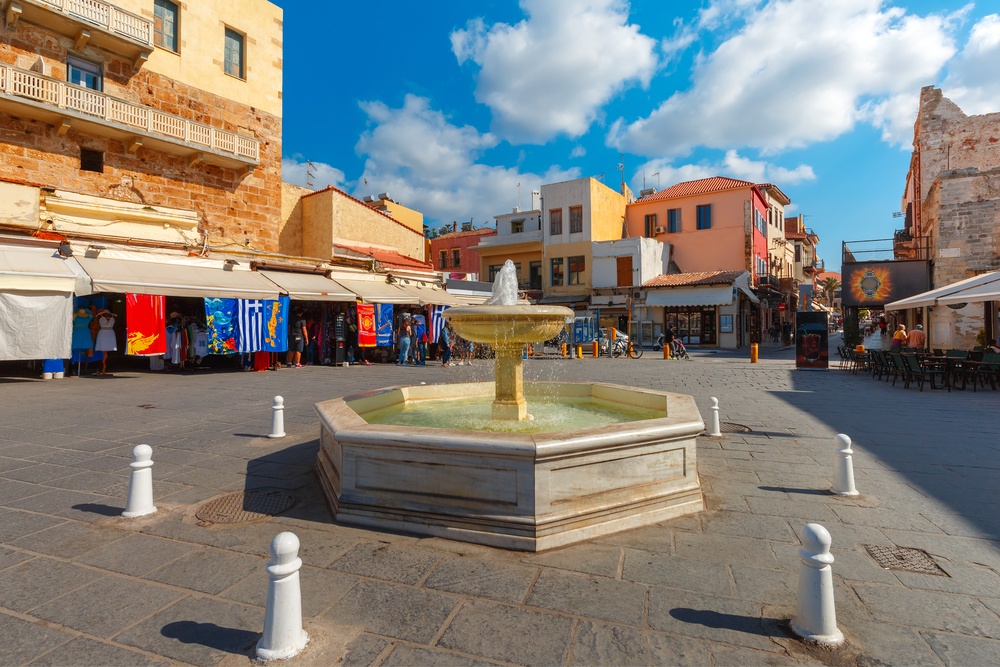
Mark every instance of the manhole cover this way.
pixel 245 506
pixel 905 558
pixel 729 427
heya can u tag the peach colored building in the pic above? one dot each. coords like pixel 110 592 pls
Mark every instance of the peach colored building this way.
pixel 455 253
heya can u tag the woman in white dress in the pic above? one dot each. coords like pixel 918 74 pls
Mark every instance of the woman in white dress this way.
pixel 106 341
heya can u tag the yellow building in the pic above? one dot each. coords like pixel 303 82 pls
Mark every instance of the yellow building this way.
pixel 519 239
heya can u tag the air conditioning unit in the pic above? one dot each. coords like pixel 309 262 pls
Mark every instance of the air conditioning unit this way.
pixel 661 230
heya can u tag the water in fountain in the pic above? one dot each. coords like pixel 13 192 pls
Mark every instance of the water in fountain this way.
pixel 505 286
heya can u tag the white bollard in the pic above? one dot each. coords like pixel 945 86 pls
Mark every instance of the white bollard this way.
pixel 277 418
pixel 815 615
pixel 843 485
pixel 139 501
pixel 714 427
pixel 283 634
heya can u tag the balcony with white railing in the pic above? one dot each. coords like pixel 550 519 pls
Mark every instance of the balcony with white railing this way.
pixel 29 94
pixel 94 22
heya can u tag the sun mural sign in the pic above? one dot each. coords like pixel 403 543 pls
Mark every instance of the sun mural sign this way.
pixel 874 284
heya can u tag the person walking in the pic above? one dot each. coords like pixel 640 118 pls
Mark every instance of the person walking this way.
pixel 298 338
pixel 444 342
pixel 421 343
pixel 899 338
pixel 668 341
pixel 917 337
pixel 404 334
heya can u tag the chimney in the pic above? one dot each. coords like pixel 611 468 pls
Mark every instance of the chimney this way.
pixel 454 225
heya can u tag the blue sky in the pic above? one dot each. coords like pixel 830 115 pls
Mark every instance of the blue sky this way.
pixel 449 105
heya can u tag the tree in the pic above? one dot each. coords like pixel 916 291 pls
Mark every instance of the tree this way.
pixel 829 286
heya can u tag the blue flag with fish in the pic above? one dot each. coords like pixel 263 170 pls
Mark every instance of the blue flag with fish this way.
pixel 220 319
pixel 383 324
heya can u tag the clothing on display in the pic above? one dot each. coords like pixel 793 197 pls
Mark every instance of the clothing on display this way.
pixel 145 325
pixel 82 339
pixel 106 340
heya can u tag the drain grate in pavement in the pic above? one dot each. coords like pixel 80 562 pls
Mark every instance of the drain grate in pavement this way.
pixel 904 558
pixel 245 506
pixel 729 427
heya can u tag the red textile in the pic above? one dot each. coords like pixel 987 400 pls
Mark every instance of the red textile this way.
pixel 366 325
pixel 147 325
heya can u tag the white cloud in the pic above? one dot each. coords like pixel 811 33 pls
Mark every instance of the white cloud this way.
pixel 796 72
pixel 551 73
pixel 578 151
pixel 732 165
pixel 973 82
pixel 426 163
pixel 296 170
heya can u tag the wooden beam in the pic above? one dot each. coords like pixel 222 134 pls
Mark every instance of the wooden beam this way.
pixel 81 40
pixel 63 128
pixel 135 144
pixel 139 61
pixel 13 14
pixel 196 159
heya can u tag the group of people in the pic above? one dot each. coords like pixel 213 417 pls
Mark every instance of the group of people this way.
pixel 412 339
pixel 900 339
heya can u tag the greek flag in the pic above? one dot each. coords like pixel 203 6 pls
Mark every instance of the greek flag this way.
pixel 250 326
pixel 437 322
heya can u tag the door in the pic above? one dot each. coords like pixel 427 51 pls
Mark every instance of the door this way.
pixel 624 271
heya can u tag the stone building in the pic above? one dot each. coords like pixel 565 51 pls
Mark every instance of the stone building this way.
pixel 143 121
pixel 952 208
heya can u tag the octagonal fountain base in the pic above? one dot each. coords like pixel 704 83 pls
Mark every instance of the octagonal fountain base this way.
pixel 516 490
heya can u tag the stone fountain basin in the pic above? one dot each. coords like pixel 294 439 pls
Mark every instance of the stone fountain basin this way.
pixel 520 324
pixel 525 491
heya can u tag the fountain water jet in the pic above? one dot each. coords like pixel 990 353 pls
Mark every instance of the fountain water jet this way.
pixel 512 489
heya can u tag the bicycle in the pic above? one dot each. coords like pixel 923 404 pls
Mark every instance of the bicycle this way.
pixel 626 348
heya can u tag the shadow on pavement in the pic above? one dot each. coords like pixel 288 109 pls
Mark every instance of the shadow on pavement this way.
pixel 789 489
pixel 751 625
pixel 231 640
pixel 103 510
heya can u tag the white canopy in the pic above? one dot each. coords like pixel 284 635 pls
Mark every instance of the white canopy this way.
pixel 985 287
pixel 176 278
pixel 309 286
pixel 29 269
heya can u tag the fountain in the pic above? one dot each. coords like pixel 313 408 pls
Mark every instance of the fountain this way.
pixel 622 458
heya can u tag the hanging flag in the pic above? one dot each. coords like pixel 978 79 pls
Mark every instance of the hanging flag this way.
pixel 276 324
pixel 146 325
pixel 437 321
pixel 250 325
pixel 366 325
pixel 383 324
pixel 220 319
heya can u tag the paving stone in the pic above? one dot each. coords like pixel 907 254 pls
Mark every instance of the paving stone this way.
pixel 136 554
pixel 890 644
pixel 603 644
pixel 72 505
pixel 482 578
pixel 320 589
pixel 602 560
pixel 198 631
pixel 39 580
pixel 725 655
pixel 883 518
pixel 737 523
pixel 9 558
pixel 405 655
pixel 393 610
pixel 7 463
pixel 68 540
pixel 40 473
pixel 23 641
pixel 208 570
pixel 107 606
pixel 587 595
pixel 676 572
pixel 388 562
pixel 501 632
pixel 773 587
pixel 958 650
pixel 84 651
pixel 712 618
pixel 15 524
pixel 12 490
pixel 363 651
pixel 961 614
pixel 726 549
pixel 656 538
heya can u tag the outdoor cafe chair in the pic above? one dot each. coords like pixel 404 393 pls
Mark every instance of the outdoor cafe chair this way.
pixel 922 372
pixel 899 368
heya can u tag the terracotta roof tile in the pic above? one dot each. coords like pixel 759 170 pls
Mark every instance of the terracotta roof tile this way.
pixel 485 231
pixel 391 259
pixel 699 187
pixel 694 279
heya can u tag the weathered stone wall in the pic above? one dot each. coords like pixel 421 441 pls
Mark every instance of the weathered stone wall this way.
pixel 290 234
pixel 236 208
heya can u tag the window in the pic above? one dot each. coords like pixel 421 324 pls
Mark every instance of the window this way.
pixel 651 225
pixel 234 54
pixel 575 219
pixel 91 160
pixel 761 266
pixel 494 270
pixel 165 24
pixel 577 265
pixel 555 222
pixel 517 226
pixel 84 73
pixel 443 259
pixel 456 257
pixel 557 271
pixel 759 222
pixel 704 216
pixel 674 220
pixel 798 253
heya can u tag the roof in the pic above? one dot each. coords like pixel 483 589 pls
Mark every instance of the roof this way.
pixel 485 231
pixel 779 195
pixel 390 259
pixel 699 187
pixel 694 279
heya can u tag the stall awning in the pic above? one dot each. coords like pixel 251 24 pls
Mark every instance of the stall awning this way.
pixel 378 291
pixel 27 269
pixel 177 279
pixel 983 287
pixel 715 295
pixel 309 286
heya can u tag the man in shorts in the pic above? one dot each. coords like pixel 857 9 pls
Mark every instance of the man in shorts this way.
pixel 298 338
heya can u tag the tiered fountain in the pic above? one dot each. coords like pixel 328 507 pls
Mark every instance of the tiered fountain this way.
pixel 468 462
